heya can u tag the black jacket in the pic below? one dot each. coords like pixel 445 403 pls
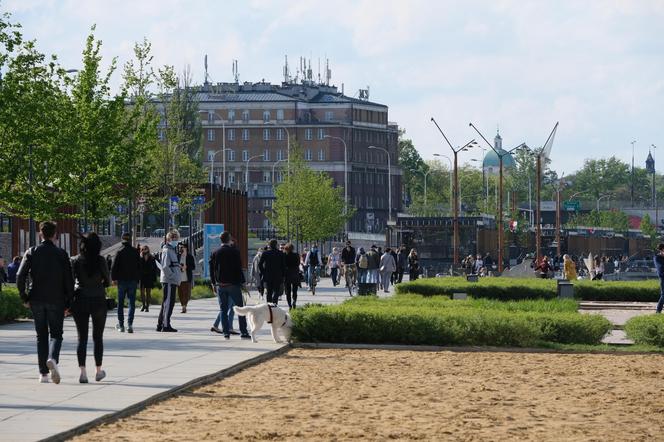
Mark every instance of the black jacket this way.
pixel 90 286
pixel 292 267
pixel 191 266
pixel 50 270
pixel 348 256
pixel 226 266
pixel 272 266
pixel 127 263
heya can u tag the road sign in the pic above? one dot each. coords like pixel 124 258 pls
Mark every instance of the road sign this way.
pixel 173 207
pixel 211 241
pixel 572 205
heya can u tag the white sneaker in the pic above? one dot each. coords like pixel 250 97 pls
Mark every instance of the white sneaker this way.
pixel 43 379
pixel 55 373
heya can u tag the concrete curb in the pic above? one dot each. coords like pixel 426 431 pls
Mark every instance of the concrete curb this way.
pixel 135 408
pixel 432 348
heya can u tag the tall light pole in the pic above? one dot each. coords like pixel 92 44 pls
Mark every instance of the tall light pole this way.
pixel 287 172
pixel 558 189
pixel 246 173
pixel 455 240
pixel 632 190
pixel 501 154
pixel 426 174
pixel 451 176
pixel 273 167
pixel 601 198
pixel 345 177
pixel 389 181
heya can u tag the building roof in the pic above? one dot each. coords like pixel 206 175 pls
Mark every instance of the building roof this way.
pixel 243 96
pixel 491 159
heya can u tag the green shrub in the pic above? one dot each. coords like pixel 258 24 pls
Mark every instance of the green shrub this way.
pixel 531 288
pixel 647 329
pixel 157 295
pixel 11 306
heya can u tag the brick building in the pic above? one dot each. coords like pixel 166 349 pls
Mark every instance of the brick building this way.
pixel 252 121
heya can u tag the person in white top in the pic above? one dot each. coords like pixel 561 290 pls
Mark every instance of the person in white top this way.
pixel 387 267
pixel 333 260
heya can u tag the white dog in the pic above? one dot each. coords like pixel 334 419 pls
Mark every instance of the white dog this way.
pixel 270 313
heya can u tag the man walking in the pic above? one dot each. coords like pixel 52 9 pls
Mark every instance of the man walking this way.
pixel 171 275
pixel 50 294
pixel 126 273
pixel 402 263
pixel 659 265
pixel 227 276
pixel 272 267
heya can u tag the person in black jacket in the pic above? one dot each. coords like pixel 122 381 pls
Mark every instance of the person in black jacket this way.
pixel 272 267
pixel 50 294
pixel 149 274
pixel 126 273
pixel 188 267
pixel 227 276
pixel 292 275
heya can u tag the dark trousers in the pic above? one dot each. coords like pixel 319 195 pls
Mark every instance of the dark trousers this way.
pixel 48 318
pixel 272 289
pixel 660 304
pixel 226 294
pixel 127 289
pixel 84 309
pixel 334 274
pixel 291 293
pixel 167 305
pixel 399 277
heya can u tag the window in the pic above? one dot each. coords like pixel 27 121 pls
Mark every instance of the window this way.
pixel 245 155
pixel 308 135
pixel 266 134
pixel 280 115
pixel 280 134
pixel 307 155
pixel 161 134
pixel 321 155
pixel 245 116
pixel 267 203
pixel 321 133
pixel 231 115
pixel 231 155
pixel 280 176
pixel 231 178
pixel 329 115
pixel 267 176
pixel 210 116
pixel 245 134
pixel 280 155
pixel 266 155
pixel 366 136
pixel 210 154
pixel 210 134
pixel 231 134
pixel 266 223
pixel 266 116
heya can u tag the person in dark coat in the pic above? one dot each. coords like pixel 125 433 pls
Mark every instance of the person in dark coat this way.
pixel 402 263
pixel 126 274
pixel 149 274
pixel 272 267
pixel 12 269
pixel 659 266
pixel 292 275
pixel 188 266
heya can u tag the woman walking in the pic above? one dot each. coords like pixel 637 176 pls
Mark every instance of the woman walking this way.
pixel 413 265
pixel 187 266
pixel 91 277
pixel 292 275
pixel 387 267
pixel 333 261
pixel 149 273
pixel 569 268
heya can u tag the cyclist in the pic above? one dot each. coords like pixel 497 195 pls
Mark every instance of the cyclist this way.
pixel 348 260
pixel 312 262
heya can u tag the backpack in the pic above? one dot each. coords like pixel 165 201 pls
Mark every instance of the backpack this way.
pixel 363 262
pixel 313 259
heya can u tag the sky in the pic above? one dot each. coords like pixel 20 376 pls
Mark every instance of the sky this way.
pixel 597 67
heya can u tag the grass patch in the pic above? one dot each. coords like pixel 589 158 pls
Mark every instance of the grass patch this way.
pixel 646 330
pixel 11 306
pixel 507 289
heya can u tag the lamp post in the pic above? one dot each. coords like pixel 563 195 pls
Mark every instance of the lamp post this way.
pixel 389 180
pixel 273 167
pixel 451 176
pixel 600 199
pixel 501 154
pixel 426 174
pixel 287 170
pixel 246 173
pixel 558 189
pixel 455 192
pixel 345 177
pixel 632 187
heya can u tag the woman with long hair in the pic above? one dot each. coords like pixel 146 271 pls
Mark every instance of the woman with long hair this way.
pixel 91 277
pixel 149 273
pixel 413 265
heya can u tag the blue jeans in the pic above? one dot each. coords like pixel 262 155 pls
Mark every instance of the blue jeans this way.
pixel 48 318
pixel 312 272
pixel 334 274
pixel 226 295
pixel 231 312
pixel 660 304
pixel 128 289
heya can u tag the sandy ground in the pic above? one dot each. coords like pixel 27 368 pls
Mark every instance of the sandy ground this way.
pixel 407 395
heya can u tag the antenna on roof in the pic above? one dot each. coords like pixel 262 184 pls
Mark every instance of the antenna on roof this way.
pixel 286 73
pixel 206 70
pixel 236 73
pixel 328 72
pixel 319 70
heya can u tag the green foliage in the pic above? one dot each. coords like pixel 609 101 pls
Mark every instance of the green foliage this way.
pixel 308 202
pixel 648 228
pixel 646 330
pixel 156 297
pixel 613 219
pixel 506 289
pixel 11 306
pixel 379 321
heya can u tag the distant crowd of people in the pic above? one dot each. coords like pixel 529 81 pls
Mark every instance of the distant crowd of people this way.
pixel 572 267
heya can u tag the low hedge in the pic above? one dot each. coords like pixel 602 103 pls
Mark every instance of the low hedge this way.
pixel 383 323
pixel 157 295
pixel 531 288
pixel 11 306
pixel 648 330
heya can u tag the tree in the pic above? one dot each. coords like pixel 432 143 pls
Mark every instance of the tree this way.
pixel 413 168
pixel 600 176
pixel 612 219
pixel 309 202
pixel 648 228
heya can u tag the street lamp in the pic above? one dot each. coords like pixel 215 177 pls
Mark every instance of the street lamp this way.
pixel 451 177
pixel 345 177
pixel 455 191
pixel 273 167
pixel 389 180
pixel 223 177
pixel 501 154
pixel 246 173
pixel 600 198
pixel 426 174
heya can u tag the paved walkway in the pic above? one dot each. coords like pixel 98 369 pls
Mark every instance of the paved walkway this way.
pixel 139 366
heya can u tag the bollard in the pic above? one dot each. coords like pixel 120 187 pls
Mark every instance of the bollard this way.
pixel 472 278
pixel 565 289
pixel 460 296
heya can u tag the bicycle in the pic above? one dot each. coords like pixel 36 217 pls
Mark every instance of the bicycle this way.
pixel 313 278
pixel 350 275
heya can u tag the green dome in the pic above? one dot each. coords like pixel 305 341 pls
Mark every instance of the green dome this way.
pixel 491 159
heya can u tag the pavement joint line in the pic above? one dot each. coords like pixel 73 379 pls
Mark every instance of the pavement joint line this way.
pixel 462 349
pixel 159 397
